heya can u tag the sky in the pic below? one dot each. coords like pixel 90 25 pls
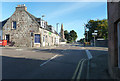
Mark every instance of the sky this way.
pixel 73 15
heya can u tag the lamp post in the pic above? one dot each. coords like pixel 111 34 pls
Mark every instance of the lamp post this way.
pixel 57 39
pixel 87 34
pixel 57 27
pixel 43 29
pixel 84 33
pixel 94 34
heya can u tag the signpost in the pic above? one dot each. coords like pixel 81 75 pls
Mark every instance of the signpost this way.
pixel 94 34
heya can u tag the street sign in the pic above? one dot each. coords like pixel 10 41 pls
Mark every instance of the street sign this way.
pixel 49 33
pixel 94 33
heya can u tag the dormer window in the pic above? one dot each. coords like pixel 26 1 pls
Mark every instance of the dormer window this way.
pixel 14 25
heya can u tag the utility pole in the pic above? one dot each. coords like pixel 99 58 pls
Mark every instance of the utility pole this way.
pixel 57 39
pixel 42 30
pixel 94 34
pixel 57 27
pixel 87 34
pixel 94 40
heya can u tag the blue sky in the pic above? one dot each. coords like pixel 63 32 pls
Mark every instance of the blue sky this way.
pixel 73 15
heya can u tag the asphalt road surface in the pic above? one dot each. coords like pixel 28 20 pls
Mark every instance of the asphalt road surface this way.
pixel 64 62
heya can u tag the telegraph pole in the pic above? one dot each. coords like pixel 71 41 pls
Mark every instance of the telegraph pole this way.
pixel 57 27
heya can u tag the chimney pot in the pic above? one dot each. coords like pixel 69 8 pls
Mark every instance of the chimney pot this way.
pixel 21 7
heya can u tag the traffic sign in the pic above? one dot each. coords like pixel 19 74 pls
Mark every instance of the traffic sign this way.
pixel 94 33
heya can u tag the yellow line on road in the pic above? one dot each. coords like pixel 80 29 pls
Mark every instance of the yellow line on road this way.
pixel 80 71
pixel 75 73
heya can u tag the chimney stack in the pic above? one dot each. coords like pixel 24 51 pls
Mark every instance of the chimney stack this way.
pixel 21 7
pixel 62 32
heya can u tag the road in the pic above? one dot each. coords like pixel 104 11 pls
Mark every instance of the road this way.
pixel 67 62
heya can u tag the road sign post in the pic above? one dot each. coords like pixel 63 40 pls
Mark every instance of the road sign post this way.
pixel 94 34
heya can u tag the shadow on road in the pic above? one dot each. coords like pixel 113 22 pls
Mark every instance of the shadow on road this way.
pixel 60 51
pixel 16 68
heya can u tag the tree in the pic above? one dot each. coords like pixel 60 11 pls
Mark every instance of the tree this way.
pixel 66 34
pixel 70 36
pixel 81 40
pixel 73 34
pixel 100 25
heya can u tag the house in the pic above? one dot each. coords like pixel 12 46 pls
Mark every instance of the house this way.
pixel 1 27
pixel 25 30
pixel 114 38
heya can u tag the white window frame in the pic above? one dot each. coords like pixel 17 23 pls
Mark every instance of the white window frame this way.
pixel 12 24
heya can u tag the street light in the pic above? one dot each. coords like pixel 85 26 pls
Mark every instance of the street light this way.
pixel 57 27
pixel 43 29
pixel 94 34
pixel 87 34
pixel 57 39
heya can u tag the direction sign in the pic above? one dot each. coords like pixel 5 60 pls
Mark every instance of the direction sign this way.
pixel 94 33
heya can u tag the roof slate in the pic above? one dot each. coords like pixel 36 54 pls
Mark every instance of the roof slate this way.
pixel 35 19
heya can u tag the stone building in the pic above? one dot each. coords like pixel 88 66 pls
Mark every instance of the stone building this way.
pixel 25 30
pixel 62 32
pixel 114 38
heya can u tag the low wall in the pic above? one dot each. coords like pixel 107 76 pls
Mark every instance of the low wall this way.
pixel 102 43
pixel 62 42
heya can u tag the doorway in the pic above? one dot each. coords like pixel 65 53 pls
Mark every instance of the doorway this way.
pixel 7 37
pixel 118 27
pixel 43 40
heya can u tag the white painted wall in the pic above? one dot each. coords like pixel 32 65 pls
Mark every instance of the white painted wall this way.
pixel 57 40
pixel 43 24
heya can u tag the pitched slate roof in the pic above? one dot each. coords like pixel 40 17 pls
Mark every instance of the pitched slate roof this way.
pixel 35 19
pixel 3 23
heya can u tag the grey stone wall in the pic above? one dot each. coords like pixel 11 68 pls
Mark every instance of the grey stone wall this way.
pixel 113 19
pixel 102 43
pixel 21 35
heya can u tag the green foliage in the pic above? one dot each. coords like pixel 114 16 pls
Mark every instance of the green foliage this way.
pixel 100 25
pixel 66 34
pixel 70 36
pixel 81 40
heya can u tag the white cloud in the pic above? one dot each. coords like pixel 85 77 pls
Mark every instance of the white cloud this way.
pixel 66 9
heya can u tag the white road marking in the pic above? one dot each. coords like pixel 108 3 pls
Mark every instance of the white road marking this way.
pixel 48 60
pixel 89 57
pixel 88 54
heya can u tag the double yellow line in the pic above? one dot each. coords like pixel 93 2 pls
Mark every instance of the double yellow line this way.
pixel 78 71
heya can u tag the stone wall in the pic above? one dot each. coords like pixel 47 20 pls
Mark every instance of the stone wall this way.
pixel 27 24
pixel 113 19
pixel 21 35
pixel 102 43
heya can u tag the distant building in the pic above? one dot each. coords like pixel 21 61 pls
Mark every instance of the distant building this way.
pixel 62 32
pixel 114 38
pixel 25 30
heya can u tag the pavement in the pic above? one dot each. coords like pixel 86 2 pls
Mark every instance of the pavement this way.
pixel 66 62
pixel 98 67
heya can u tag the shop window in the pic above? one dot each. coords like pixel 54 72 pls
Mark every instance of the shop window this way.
pixel 37 38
